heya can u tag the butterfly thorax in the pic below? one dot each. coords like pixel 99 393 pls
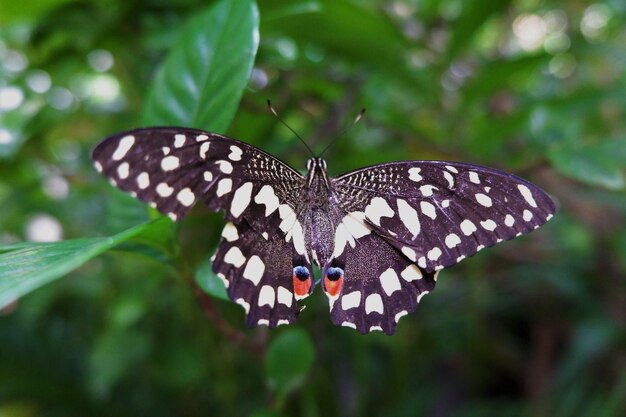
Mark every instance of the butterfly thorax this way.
pixel 318 215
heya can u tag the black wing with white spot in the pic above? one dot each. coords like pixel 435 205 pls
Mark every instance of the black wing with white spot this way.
pixel 173 168
pixel 257 270
pixel 377 285
pixel 437 213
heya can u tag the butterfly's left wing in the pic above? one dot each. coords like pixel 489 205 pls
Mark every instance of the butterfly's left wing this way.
pixel 174 168
pixel 404 221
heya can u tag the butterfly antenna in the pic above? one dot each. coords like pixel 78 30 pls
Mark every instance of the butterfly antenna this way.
pixel 344 131
pixel 269 104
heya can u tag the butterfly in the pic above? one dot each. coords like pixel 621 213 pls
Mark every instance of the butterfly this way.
pixel 380 234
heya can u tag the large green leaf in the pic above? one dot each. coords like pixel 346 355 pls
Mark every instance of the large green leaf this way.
pixel 206 72
pixel 28 266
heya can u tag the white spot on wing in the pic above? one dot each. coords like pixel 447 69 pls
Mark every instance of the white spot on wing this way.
pixel 204 148
pixel 208 176
pixel 348 324
pixel 509 220
pixel 98 166
pixel 170 163
pixel 292 228
pixel 241 199
pixel 452 169
pixel 483 200
pixel 143 180
pixel 428 209
pixel 408 216
pixel 449 178
pixel 201 138
pixel 285 296
pixel 411 273
pixel 230 232
pixel 489 225
pixel 422 294
pixel 225 166
pixel 351 300
pixel 414 174
pixel 267 296
pixel 374 303
pixel 434 254
pixel 473 177
pixel 352 227
pixel 235 153
pixel 266 196
pixel 376 209
pixel 123 170
pixel 452 240
pixel 224 186
pixel 527 194
pixel 467 227
pixel 409 253
pixel 179 141
pixel 164 190
pixel 123 147
pixel 427 190
pixel 527 215
pixel 389 281
pixel 254 270
pixel 234 257
pixel 186 197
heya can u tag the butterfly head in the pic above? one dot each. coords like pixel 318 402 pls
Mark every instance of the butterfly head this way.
pixel 316 171
pixel 315 164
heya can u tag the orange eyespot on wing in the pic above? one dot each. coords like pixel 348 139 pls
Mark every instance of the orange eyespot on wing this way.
pixel 301 281
pixel 333 281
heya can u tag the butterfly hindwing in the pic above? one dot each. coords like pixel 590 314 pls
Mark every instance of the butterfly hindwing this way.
pixel 377 285
pixel 437 213
pixel 257 270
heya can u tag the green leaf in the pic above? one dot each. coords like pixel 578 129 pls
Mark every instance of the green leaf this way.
pixel 203 77
pixel 289 359
pixel 209 282
pixel 26 267
pixel 600 163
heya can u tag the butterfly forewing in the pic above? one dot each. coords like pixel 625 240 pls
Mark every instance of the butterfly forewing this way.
pixel 173 168
pixel 437 213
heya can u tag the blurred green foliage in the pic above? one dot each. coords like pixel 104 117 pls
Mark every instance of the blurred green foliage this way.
pixel 533 327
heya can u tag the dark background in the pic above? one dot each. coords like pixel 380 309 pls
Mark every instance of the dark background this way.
pixel 532 327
